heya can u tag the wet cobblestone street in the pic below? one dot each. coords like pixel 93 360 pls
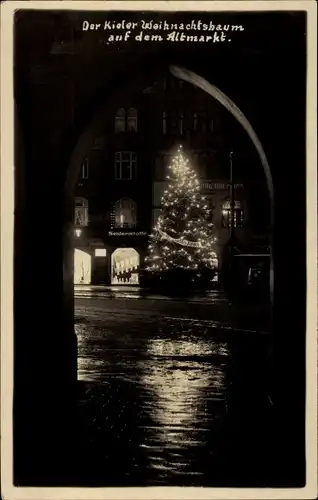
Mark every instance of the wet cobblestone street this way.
pixel 170 400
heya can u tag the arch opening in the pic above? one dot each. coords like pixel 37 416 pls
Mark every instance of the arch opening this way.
pixel 183 74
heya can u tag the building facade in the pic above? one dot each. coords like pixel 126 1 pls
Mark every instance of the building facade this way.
pixel 121 182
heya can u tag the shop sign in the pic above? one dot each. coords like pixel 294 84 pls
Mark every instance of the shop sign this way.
pixel 127 233
pixel 218 186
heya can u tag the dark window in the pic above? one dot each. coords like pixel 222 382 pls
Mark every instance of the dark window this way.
pixel 164 122
pixel 125 165
pixel 203 119
pixel 132 120
pixel 120 120
pixel 84 169
pixel 159 168
pixel 174 123
pixel 195 121
pixel 99 143
pixel 203 169
pixel 181 123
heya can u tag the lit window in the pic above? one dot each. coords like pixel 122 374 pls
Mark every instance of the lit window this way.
pixel 125 165
pixel 164 122
pixel 100 252
pixel 238 214
pixel 84 169
pixel 132 124
pixel 120 120
pixel 81 212
pixel 125 213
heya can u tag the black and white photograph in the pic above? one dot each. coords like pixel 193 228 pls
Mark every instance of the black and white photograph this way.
pixel 159 249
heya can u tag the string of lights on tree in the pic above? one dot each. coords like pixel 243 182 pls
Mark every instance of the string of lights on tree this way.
pixel 183 236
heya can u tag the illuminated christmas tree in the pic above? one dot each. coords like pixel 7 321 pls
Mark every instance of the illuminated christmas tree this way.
pixel 183 237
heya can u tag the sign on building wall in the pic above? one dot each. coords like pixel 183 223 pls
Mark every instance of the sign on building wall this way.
pixel 218 186
pixel 127 233
pixel 206 187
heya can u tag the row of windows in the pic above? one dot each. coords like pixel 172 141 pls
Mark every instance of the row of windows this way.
pixel 177 122
pixel 169 83
pixel 126 121
pixel 172 83
pixel 174 122
pixel 124 214
pixel 126 165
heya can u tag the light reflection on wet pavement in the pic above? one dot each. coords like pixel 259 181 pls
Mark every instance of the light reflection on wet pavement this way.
pixel 168 401
pixel 135 292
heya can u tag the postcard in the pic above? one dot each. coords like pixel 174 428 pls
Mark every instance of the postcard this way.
pixel 159 247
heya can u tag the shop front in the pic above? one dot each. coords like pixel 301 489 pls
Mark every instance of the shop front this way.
pixel 125 266
pixel 126 251
pixel 82 267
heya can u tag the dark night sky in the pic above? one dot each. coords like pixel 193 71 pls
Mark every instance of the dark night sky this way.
pixel 263 69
